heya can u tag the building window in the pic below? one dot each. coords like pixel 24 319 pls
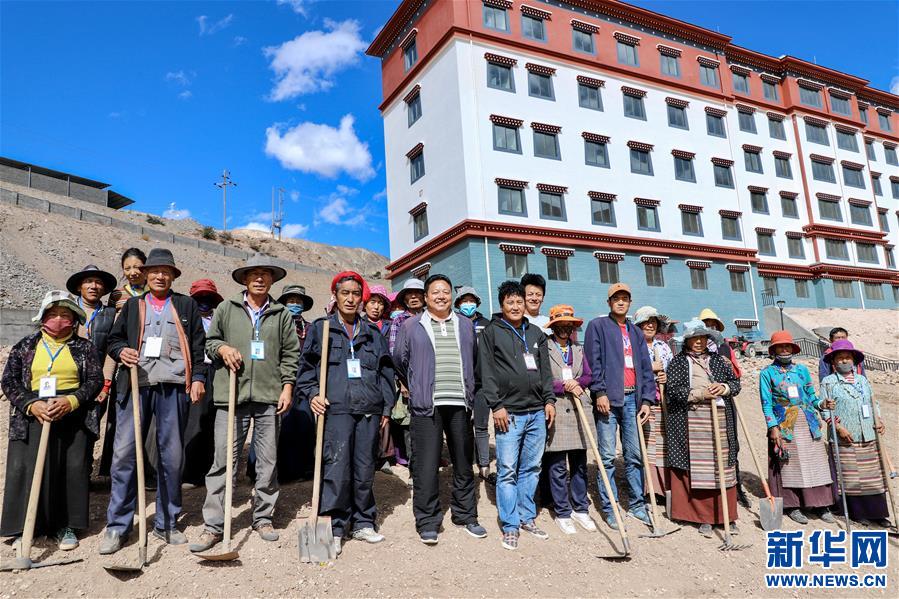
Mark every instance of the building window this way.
pixel 753 161
pixel 863 114
pixel 683 169
pixel 654 275
pixel 759 202
pixel 738 281
pixel 540 86
pixel 647 218
pixel 843 289
pixel 677 117
pixel 420 225
pixel 608 272
pixel 417 167
pixel 776 129
pixel 698 280
pixel 533 28
pixel 860 215
pixel 691 223
pixel 546 145
pixel 829 210
pixel 795 248
pixel 840 105
pixel 801 288
pixel 603 212
pixel 766 244
pixel 823 171
pixel 747 122
pixel 723 176
pixel 715 125
pixel 810 97
pixel 867 252
pixel 496 18
pixel 670 65
pixel 770 91
pixel 410 55
pixel 770 284
pixel 873 291
pixel 627 54
pixel 505 139
pixel 896 294
pixel 582 41
pixel 788 207
pixel 884 122
pixel 708 76
pixel 869 150
pixel 552 206
pixel 894 188
pixel 589 96
pixel 596 154
pixel 883 221
pixel 891 260
pixel 516 265
pixel 816 134
pixel 835 249
pixel 511 201
pixel 853 177
pixel 500 77
pixel 782 167
pixel 890 156
pixel 730 228
pixel 741 83
pixel 413 109
pixel 641 163
pixel 846 141
pixel 633 107
pixel 557 268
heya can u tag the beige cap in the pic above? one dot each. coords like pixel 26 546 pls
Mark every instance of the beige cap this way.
pixel 613 289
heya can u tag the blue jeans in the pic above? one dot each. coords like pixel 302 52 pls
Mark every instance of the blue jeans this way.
pixel 625 419
pixel 518 454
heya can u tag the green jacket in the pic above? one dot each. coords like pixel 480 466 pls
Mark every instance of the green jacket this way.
pixel 257 380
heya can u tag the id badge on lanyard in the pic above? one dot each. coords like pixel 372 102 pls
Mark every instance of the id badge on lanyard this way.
pixel 153 347
pixel 628 361
pixel 257 350
pixel 47 387
pixel 353 365
pixel 567 374
pixel 530 361
pixel 793 391
pixel 866 411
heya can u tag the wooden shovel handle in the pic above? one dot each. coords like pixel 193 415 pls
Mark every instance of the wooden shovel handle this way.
pixel 139 457
pixel 229 465
pixel 320 423
pixel 719 458
pixel 755 460
pixel 35 493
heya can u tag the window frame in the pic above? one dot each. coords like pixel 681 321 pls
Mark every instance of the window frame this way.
pixel 589 88
pixel 800 287
pixel 494 10
pixel 776 129
pixel 532 76
pixel 558 150
pixel 870 251
pixel 847 141
pixel 834 244
pixel 890 157
pixel 795 244
pixel 883 121
pixel 557 262
pixel 770 284
pixel 610 204
pixel 649 210
pixel 411 111
pixel 718 168
pixel 524 30
pixel 499 201
pixel 410 49
pixel 837 104
pixel 860 215
pixel 665 59
pixel 704 72
pixel 737 234
pixel 834 208
pixel 817 166
pixel 698 279
pixel 506 129
pixel 806 94
pixel 719 121
pixel 420 225
pixel 869 288
pixel 853 177
pixel 691 169
pixel 635 152
pixel 883 221
pixel 820 130
pixel 741 83
pixel 515 273
pixel 843 289
pixel 550 195
pixel 779 169
pixel 738 281
pixel 629 49
pixel 691 218
pixel 611 272
pixel 870 152
pixel 774 95
pixel 634 101
pixel 649 270
pixel 764 208
pixel 794 210
pixel 746 122
pixel 413 170
pixel 575 34
pixel 769 241
pixel 501 68
pixel 678 110
pixel 752 162
pixel 604 151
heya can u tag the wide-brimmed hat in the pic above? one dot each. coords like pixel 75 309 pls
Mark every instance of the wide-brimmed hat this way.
pixel 695 328
pixel 161 257
pixel 409 285
pixel 297 290
pixel 382 293
pixel 708 314
pixel 616 287
pixel 782 338
pixel 74 282
pixel 464 290
pixel 258 261
pixel 844 345
pixel 645 313
pixel 563 314
pixel 206 287
pixel 59 297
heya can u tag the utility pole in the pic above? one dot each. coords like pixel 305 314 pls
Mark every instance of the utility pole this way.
pixel 226 182
pixel 277 217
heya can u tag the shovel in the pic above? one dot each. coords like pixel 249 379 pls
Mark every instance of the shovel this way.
pixel 886 468
pixel 835 449
pixel 729 544
pixel 316 536
pixel 228 555
pixel 771 512
pixel 657 530
pixel 585 425
pixel 23 560
pixel 137 566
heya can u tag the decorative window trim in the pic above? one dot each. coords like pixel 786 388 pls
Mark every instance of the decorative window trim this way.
pixel 413 93
pixel 699 264
pixel 860 202
pixel 556 252
pixel 505 121
pixel 683 154
pixel 810 120
pixel 781 154
pixel 546 128
pixel 513 183
pixel 646 202
pixel 633 91
pixel 770 78
pixel 792 195
pixel 668 51
pixel 820 158
pixel 793 235
pixel 540 69
pixel 708 62
pixel 745 108
pixel 809 85
pixel 678 102
pixel 745 323
pixel 595 137
pixel 737 267
pixel 415 151
pixel 506 4
pixel 884 111
pixel 845 129
pixel 852 165
pixel 894 179
pixel 765 231
pixel 520 249
pixel 546 187
pixel 689 208
pixel 730 213
pixel 827 197
pixel 757 189
pixel 418 208
pixel 608 256
pixel 890 145
pixel 774 116
pixel 740 70
pixel 534 12
pixel 505 61
pixel 602 195
pixel 421 270
pixel 752 148
pixel 875 174
pixel 410 37
pixel 722 162
pixel 584 26
pixel 863 105
pixel 590 81
pixel 654 260
pixel 639 145
pixel 883 210
pixel 626 38
pixel 715 111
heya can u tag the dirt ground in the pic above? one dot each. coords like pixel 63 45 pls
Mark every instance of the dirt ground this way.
pixel 683 564
pixel 875 331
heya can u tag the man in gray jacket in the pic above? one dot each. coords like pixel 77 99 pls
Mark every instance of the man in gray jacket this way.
pixel 434 357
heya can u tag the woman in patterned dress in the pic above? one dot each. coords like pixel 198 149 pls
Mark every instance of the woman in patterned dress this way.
pixel 651 322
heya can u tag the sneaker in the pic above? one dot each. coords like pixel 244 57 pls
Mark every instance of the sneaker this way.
pixel 827 516
pixel 172 536
pixel 510 540
pixel 641 515
pixel 111 542
pixel 531 527
pixel 475 530
pixel 368 535
pixel 798 517
pixel 206 541
pixel 733 528
pixel 566 526
pixel 66 539
pixel 428 537
pixel 267 532
pixel 610 520
pixel 584 521
pixel 705 530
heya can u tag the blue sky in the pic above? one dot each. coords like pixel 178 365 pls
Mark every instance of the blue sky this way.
pixel 157 98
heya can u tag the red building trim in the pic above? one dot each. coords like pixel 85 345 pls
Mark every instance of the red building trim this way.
pixel 595 137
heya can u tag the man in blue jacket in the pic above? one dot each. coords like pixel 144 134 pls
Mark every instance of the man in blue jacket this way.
pixel 624 388
pixel 434 358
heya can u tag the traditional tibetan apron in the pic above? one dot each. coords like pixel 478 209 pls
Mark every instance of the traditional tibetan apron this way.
pixel 701 438
pixel 656 450
pixel 808 466
pixel 861 469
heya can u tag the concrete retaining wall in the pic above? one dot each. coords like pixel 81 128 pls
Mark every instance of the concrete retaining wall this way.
pixel 15 324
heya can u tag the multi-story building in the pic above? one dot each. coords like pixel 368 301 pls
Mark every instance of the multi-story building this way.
pixel 593 141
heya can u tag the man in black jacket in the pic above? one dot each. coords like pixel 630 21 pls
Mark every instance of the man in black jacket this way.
pixel 161 334
pixel 516 383
pixel 359 400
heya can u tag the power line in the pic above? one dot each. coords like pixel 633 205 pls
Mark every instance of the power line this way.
pixel 226 182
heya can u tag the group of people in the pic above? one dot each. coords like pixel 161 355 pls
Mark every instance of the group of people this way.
pixel 407 374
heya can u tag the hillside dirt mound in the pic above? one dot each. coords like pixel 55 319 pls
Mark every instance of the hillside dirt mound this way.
pixel 875 331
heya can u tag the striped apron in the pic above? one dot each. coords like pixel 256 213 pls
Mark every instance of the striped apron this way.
pixel 701 442
pixel 861 469
pixel 808 466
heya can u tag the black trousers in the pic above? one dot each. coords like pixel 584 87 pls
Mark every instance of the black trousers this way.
pixel 427 444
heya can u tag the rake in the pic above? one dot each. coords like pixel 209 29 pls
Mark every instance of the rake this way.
pixel 729 544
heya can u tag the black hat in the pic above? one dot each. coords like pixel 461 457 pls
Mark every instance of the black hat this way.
pixel 300 291
pixel 161 257
pixel 91 270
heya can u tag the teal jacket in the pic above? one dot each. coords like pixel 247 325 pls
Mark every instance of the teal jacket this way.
pixel 257 380
pixel 850 399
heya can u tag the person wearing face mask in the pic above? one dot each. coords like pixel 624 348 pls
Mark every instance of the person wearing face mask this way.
pixel 849 397
pixel 824 366
pixel 798 470
pixel 294 298
pixel 376 309
pixel 52 375
pixel 467 303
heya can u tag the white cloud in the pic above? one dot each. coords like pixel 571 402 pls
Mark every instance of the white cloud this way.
pixel 381 195
pixel 307 63
pixel 207 28
pixel 294 195
pixel 294 230
pixel 339 212
pixel 300 7
pixel 239 40
pixel 180 77
pixel 257 226
pixel 186 94
pixel 894 85
pixel 115 115
pixel 175 214
pixel 320 149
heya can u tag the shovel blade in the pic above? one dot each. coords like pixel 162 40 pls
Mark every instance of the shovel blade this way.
pixel 771 516
pixel 656 533
pixel 228 556
pixel 316 542
pixel 27 564
pixel 135 567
